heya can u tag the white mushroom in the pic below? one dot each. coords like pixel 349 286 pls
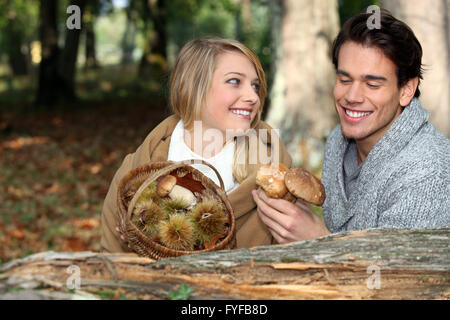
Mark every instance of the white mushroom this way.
pixel 179 192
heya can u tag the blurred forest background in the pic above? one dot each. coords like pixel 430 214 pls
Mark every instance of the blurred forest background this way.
pixel 74 102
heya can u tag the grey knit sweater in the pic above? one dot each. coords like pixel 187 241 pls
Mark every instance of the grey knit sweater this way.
pixel 404 181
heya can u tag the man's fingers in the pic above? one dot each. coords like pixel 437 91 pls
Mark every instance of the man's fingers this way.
pixel 280 205
pixel 268 220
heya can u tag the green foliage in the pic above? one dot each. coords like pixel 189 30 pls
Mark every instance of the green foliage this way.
pixel 19 18
pixel 183 293
pixel 105 295
pixel 349 8
pixel 191 19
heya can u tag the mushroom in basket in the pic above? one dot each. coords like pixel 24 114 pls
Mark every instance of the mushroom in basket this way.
pixel 172 215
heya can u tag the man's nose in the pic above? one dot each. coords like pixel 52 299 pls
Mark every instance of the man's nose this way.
pixel 355 92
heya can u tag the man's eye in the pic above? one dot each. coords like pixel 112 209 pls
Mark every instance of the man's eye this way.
pixel 344 80
pixel 373 86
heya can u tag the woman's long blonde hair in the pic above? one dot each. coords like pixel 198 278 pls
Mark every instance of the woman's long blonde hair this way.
pixel 190 81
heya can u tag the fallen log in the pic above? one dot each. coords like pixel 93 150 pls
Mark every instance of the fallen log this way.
pixel 368 264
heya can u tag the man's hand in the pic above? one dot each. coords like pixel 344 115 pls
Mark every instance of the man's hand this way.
pixel 287 221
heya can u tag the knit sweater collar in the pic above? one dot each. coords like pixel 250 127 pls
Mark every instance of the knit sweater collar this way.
pixel 391 143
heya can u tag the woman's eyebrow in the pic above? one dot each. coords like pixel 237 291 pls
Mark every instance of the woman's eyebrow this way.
pixel 234 72
pixel 240 74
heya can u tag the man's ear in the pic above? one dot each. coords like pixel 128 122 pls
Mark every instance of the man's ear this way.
pixel 408 90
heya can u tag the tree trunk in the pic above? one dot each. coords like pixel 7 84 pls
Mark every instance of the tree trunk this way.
pixel 368 264
pixel 69 56
pixel 430 22
pixel 90 52
pixel 302 106
pixel 154 59
pixel 129 37
pixel 48 67
pixel 57 67
pixel 17 59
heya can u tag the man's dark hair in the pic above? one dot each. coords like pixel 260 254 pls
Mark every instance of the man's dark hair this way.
pixel 394 38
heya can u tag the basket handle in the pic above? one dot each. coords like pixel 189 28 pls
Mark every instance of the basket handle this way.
pixel 164 171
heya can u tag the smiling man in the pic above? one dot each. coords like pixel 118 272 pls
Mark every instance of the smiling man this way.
pixel 385 165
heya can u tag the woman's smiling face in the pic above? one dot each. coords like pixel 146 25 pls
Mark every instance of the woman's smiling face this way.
pixel 232 101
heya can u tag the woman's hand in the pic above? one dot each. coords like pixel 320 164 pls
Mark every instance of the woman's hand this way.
pixel 287 221
pixel 122 237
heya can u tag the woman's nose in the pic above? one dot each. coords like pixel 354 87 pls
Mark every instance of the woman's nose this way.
pixel 250 94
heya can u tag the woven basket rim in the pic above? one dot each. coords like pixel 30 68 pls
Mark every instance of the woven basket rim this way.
pixel 151 247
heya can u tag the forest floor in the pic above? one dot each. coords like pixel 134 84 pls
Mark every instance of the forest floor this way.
pixel 55 171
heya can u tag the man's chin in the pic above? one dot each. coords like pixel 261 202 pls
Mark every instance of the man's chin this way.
pixel 352 135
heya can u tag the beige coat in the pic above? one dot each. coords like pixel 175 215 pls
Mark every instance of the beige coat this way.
pixel 250 231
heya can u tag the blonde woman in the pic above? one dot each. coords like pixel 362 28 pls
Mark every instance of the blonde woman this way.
pixel 217 92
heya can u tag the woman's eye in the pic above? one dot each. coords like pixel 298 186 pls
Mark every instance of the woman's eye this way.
pixel 256 86
pixel 234 81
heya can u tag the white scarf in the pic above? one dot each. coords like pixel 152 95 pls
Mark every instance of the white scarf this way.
pixel 223 161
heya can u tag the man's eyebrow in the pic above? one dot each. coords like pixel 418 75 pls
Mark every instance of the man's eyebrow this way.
pixel 366 76
pixel 373 77
pixel 339 71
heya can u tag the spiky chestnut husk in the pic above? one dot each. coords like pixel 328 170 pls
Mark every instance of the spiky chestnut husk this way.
pixel 209 219
pixel 150 230
pixel 149 193
pixel 152 214
pixel 147 214
pixel 171 206
pixel 177 232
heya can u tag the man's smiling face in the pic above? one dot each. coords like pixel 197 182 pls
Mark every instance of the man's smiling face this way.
pixel 366 94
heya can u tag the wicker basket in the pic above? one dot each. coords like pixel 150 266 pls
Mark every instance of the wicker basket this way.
pixel 188 177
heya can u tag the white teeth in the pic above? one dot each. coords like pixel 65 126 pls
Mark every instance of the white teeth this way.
pixel 356 114
pixel 242 112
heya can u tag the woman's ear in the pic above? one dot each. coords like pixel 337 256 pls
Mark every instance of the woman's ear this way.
pixel 408 90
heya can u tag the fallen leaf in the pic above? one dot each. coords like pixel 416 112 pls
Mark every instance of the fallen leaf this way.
pixel 17 233
pixel 94 169
pixel 213 241
pixel 86 223
pixel 74 244
pixel 54 187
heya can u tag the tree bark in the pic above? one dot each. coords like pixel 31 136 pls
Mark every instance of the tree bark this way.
pixel 129 37
pixel 302 106
pixel 69 56
pixel 368 264
pixel 48 67
pixel 57 67
pixel 90 52
pixel 430 22
pixel 154 58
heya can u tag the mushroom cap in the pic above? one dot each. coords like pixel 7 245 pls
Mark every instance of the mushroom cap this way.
pixel 271 178
pixel 184 194
pixel 165 185
pixel 305 185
